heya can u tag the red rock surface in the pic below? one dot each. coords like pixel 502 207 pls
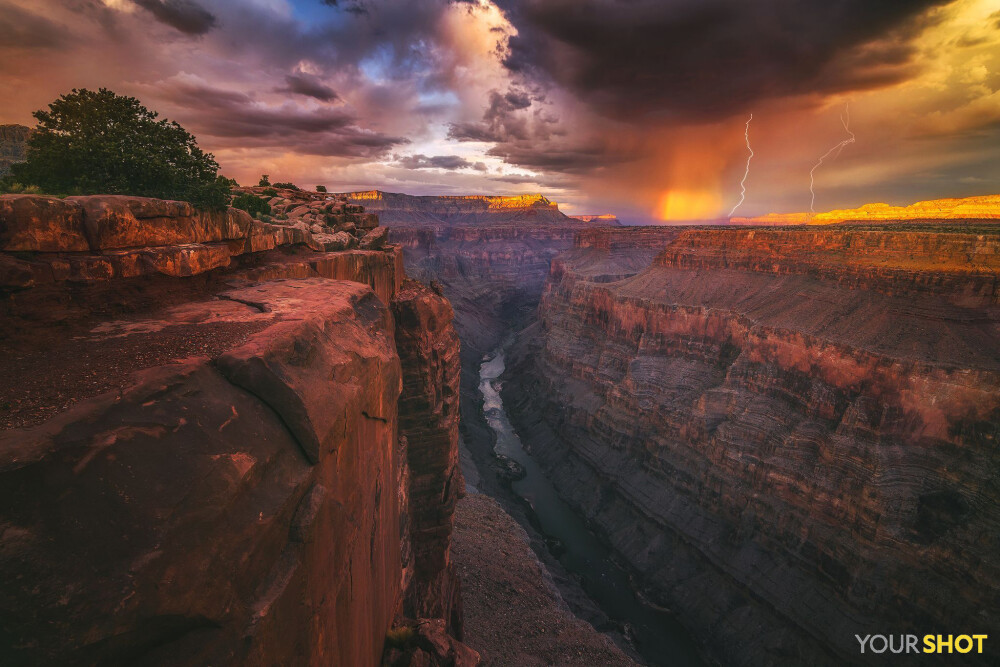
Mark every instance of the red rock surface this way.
pixel 791 434
pixel 429 352
pixel 211 464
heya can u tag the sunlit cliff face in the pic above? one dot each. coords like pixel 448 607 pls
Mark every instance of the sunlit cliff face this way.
pixel 635 108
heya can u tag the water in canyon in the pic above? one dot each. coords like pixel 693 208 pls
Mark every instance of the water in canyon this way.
pixel 656 634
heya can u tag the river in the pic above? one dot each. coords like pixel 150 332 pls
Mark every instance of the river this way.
pixel 656 634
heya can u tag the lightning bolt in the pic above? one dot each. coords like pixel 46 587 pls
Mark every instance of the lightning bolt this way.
pixel 845 120
pixel 746 174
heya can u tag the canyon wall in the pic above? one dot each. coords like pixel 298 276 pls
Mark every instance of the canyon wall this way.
pixel 223 444
pixel 790 435
pixel 493 274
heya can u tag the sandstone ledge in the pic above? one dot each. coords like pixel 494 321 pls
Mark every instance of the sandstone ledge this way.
pixel 183 519
pixel 210 456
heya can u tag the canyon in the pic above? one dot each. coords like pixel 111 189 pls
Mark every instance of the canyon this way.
pixel 237 440
pixel 789 434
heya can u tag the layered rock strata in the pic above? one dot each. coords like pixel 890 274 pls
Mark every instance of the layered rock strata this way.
pixel 789 434
pixel 249 463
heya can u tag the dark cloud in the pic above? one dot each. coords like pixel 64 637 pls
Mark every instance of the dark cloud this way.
pixel 23 29
pixel 555 157
pixel 500 122
pixel 308 85
pixel 236 116
pixel 356 7
pixel 697 58
pixel 184 15
pixel 449 162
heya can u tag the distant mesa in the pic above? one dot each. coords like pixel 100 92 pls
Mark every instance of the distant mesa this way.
pixel 985 207
pixel 401 209
pixel 13 146
pixel 604 218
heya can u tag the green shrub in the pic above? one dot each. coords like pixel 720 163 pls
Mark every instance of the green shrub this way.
pixel 103 143
pixel 252 204
pixel 15 188
pixel 269 192
pixel 286 186
pixel 320 188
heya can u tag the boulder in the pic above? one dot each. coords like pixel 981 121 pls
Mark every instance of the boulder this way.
pixel 44 224
pixel 338 241
pixel 375 239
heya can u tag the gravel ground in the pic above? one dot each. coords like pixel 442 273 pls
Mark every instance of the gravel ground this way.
pixel 513 615
pixel 42 377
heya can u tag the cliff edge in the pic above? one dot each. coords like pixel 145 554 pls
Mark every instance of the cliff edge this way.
pixel 224 444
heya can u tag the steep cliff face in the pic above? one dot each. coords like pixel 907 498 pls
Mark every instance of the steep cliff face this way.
pixel 493 275
pixel 428 349
pixel 790 434
pixel 248 461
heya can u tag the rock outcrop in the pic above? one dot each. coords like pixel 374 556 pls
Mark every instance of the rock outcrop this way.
pixel 428 349
pixel 248 456
pixel 13 146
pixel 790 435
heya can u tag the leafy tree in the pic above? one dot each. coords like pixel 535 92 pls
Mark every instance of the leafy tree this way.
pixel 320 188
pixel 265 181
pixel 102 143
pixel 286 186
pixel 252 204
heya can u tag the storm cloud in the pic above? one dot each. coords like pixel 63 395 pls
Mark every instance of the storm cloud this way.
pixel 184 15
pixel 236 116
pixel 695 58
pixel 609 105
pixel 310 86
pixel 446 162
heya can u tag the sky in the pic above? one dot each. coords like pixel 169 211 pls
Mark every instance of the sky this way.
pixel 633 107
